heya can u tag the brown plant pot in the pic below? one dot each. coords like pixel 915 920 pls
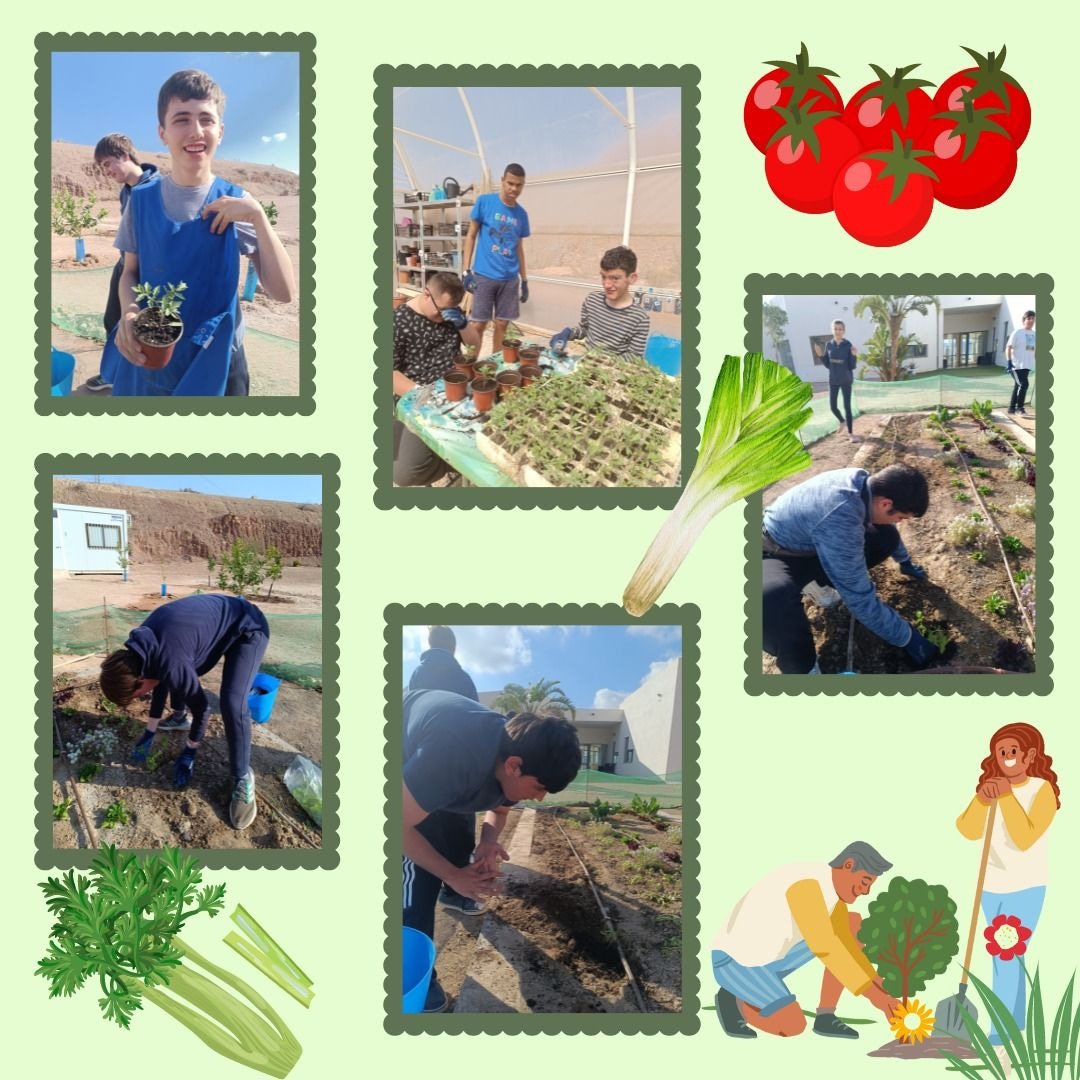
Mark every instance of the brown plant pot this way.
pixel 157 355
pixel 413 260
pixel 529 373
pixel 485 369
pixel 508 381
pixel 510 348
pixel 455 383
pixel 483 394
pixel 464 365
pixel 529 354
pixel 403 277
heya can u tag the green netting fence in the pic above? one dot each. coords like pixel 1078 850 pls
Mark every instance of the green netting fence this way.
pixel 294 653
pixel 920 394
pixel 590 785
pixel 78 301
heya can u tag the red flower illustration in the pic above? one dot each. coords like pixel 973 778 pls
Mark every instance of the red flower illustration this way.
pixel 1006 937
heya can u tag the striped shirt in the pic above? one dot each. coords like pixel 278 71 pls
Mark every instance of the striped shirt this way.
pixel 621 330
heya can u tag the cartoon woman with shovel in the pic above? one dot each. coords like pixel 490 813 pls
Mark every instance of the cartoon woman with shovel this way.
pixel 1015 801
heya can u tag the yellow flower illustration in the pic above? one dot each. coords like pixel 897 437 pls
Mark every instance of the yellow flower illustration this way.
pixel 911 1023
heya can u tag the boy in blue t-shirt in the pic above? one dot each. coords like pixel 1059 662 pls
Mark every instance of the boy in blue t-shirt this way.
pixel 192 226
pixel 497 228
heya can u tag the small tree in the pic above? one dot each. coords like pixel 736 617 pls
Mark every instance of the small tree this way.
pixel 211 562
pixel 876 353
pixel 241 569
pixel 775 320
pixel 272 567
pixel 889 312
pixel 911 934
pixel 72 216
pixel 123 557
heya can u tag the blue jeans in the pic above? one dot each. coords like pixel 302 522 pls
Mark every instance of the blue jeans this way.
pixel 241 666
pixel 1010 983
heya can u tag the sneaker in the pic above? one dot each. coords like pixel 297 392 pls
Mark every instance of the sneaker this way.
pixel 730 1016
pixel 242 808
pixel 827 1024
pixel 1022 411
pixel 176 722
pixel 436 1000
pixel 463 905
pixel 822 595
pixel 96 383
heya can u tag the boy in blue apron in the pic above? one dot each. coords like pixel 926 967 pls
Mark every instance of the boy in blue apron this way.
pixel 192 227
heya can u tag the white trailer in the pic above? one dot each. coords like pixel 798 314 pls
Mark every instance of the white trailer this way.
pixel 89 539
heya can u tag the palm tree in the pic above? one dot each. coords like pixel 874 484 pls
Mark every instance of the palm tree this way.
pixel 877 351
pixel 544 697
pixel 889 312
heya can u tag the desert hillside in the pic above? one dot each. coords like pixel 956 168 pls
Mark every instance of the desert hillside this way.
pixel 173 525
pixel 73 169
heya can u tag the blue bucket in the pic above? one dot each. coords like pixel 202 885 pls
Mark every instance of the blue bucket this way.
pixel 417 964
pixel 664 353
pixel 262 697
pixel 63 372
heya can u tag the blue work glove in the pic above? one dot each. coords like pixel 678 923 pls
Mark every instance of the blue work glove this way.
pixel 1008 366
pixel 468 280
pixel 455 317
pixel 185 765
pixel 141 750
pixel 560 340
pixel 524 291
pixel 912 570
pixel 922 652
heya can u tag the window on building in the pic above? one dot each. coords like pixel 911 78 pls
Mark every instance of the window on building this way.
pixel 628 750
pixel 103 537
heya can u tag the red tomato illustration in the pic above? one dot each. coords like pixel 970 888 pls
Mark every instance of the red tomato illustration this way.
pixel 974 156
pixel 884 197
pixel 994 88
pixel 804 156
pixel 892 103
pixel 790 83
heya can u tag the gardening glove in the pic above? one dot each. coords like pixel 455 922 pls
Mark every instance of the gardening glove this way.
pixel 468 280
pixel 560 340
pixel 922 652
pixel 524 291
pixel 141 751
pixel 455 317
pixel 912 570
pixel 185 765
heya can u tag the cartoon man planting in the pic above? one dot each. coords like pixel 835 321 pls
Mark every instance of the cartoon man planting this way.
pixel 792 915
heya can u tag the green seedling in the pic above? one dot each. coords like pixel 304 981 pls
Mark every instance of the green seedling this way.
pixel 977 556
pixel 1021 577
pixel 602 810
pixel 982 410
pixel 88 772
pixel 646 808
pixel 1012 544
pixel 115 814
pixel 271 211
pixel 958 483
pixel 153 761
pixel 995 604
pixel 984 490
pixel 166 303
pixel 982 474
pixel 60 809
pixel 962 496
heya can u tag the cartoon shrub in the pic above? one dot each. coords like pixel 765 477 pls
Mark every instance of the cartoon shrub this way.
pixel 910 934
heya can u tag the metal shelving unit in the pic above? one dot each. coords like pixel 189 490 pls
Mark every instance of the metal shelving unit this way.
pixel 443 248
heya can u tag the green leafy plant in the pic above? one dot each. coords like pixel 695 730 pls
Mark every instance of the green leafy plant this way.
pixel 984 490
pixel 995 604
pixel 646 808
pixel 88 772
pixel 211 562
pixel 958 482
pixel 73 216
pixel 749 441
pixel 122 925
pixel 939 638
pixel 943 415
pixel 1012 544
pixel 166 302
pixel 154 760
pixel 910 934
pixel 962 496
pixel 60 809
pixel 272 567
pixel 982 410
pixel 977 556
pixel 982 474
pixel 241 569
pixel 1021 577
pixel 601 810
pixel 115 814
pixel 271 211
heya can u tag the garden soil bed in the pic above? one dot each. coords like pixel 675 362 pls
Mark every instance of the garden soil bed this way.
pixel 196 817
pixel 552 912
pixel 957 587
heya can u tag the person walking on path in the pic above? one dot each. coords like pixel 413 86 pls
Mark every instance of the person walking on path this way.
pixel 840 356
pixel 1020 356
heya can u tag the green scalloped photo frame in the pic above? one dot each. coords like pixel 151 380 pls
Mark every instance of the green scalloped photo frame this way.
pixel 1040 681
pixel 685 1022
pixel 326 466
pixel 301 404
pixel 387 77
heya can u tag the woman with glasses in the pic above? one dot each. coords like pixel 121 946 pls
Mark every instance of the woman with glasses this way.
pixel 428 332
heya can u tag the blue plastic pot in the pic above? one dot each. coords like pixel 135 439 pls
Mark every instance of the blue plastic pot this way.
pixel 63 372
pixel 262 697
pixel 664 353
pixel 417 964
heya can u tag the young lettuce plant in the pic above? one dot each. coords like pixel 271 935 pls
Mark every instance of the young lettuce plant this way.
pixel 749 442
pixel 122 924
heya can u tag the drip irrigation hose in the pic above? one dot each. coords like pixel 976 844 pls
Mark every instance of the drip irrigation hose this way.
pixel 607 919
pixel 87 823
pixel 997 537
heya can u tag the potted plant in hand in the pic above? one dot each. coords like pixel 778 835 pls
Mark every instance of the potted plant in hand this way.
pixel 158 326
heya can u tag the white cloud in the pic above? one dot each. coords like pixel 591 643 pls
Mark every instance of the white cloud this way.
pixel 266 54
pixel 659 666
pixel 657 633
pixel 278 136
pixel 608 699
pixel 492 650
pixel 413 643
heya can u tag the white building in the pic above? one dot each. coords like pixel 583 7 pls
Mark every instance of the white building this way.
pixel 963 331
pixel 89 539
pixel 643 737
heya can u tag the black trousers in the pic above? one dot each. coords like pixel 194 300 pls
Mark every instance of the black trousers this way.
pixel 453 836
pixel 845 389
pixel 415 463
pixel 1020 388
pixel 785 629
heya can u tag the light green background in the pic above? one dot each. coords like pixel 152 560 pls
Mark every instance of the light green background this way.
pixel 782 779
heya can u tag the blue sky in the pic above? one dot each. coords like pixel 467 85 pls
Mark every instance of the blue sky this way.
pixel 597 666
pixel 94 93
pixel 291 488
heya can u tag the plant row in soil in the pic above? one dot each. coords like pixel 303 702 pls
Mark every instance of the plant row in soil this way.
pixel 967 598
pixel 608 423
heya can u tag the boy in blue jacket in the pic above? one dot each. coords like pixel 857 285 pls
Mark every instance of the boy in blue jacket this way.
pixel 165 656
pixel 192 227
